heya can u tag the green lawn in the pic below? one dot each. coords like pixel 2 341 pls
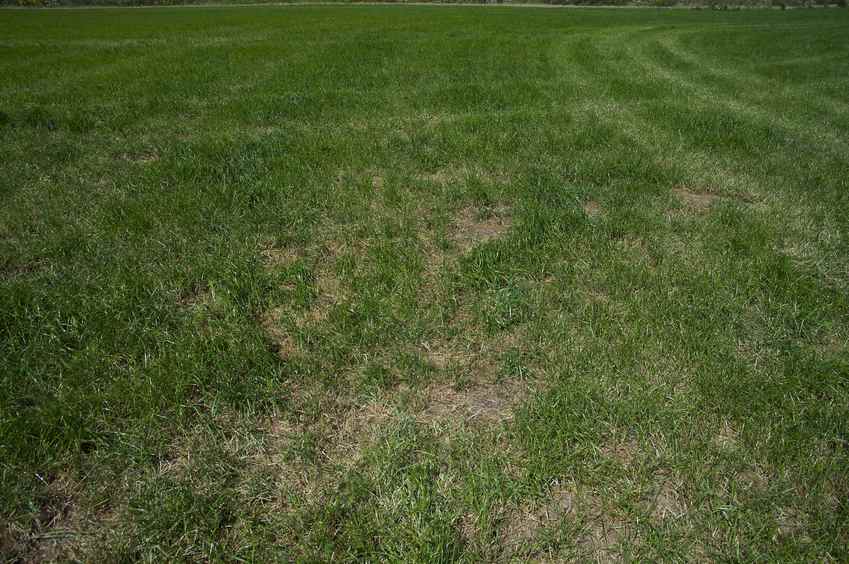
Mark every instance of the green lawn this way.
pixel 424 284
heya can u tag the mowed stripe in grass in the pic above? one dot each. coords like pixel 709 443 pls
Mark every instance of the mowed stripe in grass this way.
pixel 421 283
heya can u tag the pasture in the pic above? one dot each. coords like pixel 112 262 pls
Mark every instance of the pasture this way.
pixel 422 283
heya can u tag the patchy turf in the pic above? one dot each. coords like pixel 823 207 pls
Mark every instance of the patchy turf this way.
pixel 424 284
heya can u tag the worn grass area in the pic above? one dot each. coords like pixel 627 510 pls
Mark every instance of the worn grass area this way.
pixel 424 284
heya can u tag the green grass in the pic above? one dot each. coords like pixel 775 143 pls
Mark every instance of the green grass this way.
pixel 424 284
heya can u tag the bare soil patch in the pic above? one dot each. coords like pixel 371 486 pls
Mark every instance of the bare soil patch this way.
pixel 622 450
pixel 281 342
pixel 11 271
pixel 696 201
pixel 481 403
pixel 277 257
pixel 53 535
pixel 668 501
pixel 727 437
pixel 473 229
pixel 592 208
pixel 142 157
pixel 601 530
pixel 524 523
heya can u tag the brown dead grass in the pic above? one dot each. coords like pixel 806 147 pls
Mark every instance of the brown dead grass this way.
pixel 790 522
pixel 485 404
pixel 471 229
pixel 695 201
pixel 592 208
pixel 274 258
pixel 142 157
pixel 623 450
pixel 328 287
pixel 524 523
pixel 601 529
pixel 668 501
pixel 359 428
pixel 726 437
pixel 56 530
pixel 280 341
pixel 12 271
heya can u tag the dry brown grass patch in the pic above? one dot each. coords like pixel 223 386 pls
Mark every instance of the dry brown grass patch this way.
pixel 358 428
pixel 592 208
pixel 668 502
pixel 790 522
pixel 56 531
pixel 142 157
pixel 485 404
pixel 621 449
pixel 282 343
pixel 11 271
pixel 472 229
pixel 198 294
pixel 276 257
pixel 603 531
pixel 697 201
pixel 523 523
pixel 726 437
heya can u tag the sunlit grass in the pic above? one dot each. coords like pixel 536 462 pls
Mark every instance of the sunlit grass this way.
pixel 424 284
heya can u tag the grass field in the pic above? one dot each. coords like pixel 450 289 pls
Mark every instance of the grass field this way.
pixel 424 284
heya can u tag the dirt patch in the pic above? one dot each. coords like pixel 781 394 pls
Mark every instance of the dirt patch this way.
pixel 592 209
pixel 636 251
pixel 524 523
pixel 358 428
pixel 472 228
pixel 603 529
pixel 700 201
pixel 142 157
pixel 668 500
pixel 438 355
pixel 597 296
pixel 377 182
pixel 755 480
pixel 790 522
pixel 329 290
pixel 277 257
pixel 12 271
pixel 599 530
pixel 697 201
pixel 621 450
pixel 727 437
pixel 280 341
pixel 197 294
pixel 479 404
pixel 53 533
